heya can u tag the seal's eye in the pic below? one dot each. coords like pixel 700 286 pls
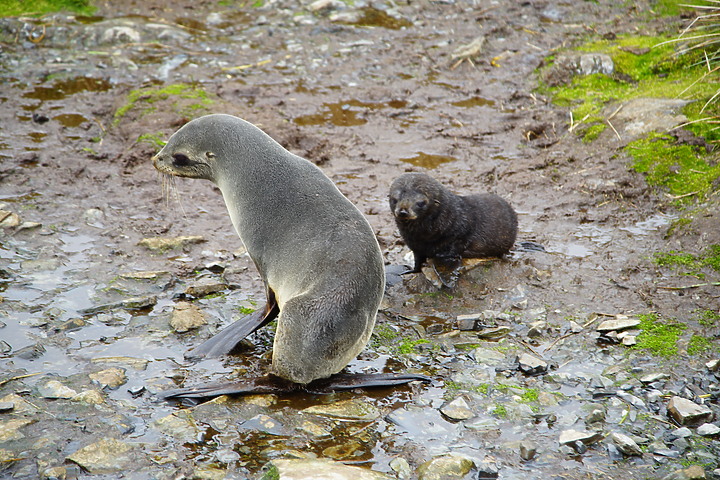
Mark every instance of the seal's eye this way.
pixel 421 204
pixel 181 160
pixel 209 154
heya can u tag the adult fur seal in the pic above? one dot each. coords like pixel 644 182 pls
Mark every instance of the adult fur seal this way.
pixel 436 223
pixel 316 253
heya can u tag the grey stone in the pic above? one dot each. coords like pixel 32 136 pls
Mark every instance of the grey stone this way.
pixel 111 378
pixel 493 333
pixel 626 444
pixel 205 286
pixel 354 409
pixel 597 415
pixel 569 437
pixel 528 450
pixel 620 322
pixel 6 406
pixel 295 469
pixel 713 365
pixel 708 430
pixel 632 400
pixel 487 470
pixel 531 365
pixel 695 472
pixel 458 409
pixel 644 115
pixel 445 467
pixel 682 432
pixel 686 412
pixel 401 467
pixel 467 322
pixel 592 63
pixel 55 389
pixel 106 456
pixel 613 453
pixel 187 316
pixel 653 377
pixel 120 34
pixel 168 243
pixel 488 356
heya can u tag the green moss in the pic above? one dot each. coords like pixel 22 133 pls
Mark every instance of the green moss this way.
pixel 483 388
pixel 645 66
pixel 500 411
pixel 245 310
pixel 408 346
pixel 11 8
pixel 682 169
pixel 271 474
pixel 709 318
pixel 699 345
pixel 691 263
pixel 530 395
pixel 147 97
pixel 659 337
pixel 154 139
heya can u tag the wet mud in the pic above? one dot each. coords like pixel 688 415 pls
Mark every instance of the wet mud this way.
pixel 367 93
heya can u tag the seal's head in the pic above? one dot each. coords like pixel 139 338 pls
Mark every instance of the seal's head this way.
pixel 414 195
pixel 207 147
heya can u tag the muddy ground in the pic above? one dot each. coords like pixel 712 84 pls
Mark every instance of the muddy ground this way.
pixel 367 94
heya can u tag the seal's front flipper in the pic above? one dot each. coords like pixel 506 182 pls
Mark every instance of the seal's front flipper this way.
pixel 349 381
pixel 227 339
pixel 261 385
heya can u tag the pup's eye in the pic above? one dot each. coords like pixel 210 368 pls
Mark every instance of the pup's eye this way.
pixel 209 154
pixel 181 160
pixel 421 204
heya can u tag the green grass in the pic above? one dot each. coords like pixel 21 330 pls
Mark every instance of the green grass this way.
pixel 245 310
pixel 657 336
pixel 12 8
pixel 408 346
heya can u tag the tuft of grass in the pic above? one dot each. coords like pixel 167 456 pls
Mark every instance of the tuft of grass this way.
pixel 12 8
pixel 245 310
pixel 657 336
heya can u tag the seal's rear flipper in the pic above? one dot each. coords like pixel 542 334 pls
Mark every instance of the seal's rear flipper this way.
pixel 227 339
pixel 349 381
pixel 273 384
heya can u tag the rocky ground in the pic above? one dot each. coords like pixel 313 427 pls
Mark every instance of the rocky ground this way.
pixel 108 276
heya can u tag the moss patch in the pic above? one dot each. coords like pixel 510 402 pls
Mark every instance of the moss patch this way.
pixel 645 66
pixel 699 345
pixel 691 264
pixel 682 169
pixel 189 100
pixel 12 8
pixel 659 337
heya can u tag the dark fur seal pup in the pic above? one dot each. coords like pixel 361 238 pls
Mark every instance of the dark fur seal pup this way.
pixel 317 254
pixel 436 223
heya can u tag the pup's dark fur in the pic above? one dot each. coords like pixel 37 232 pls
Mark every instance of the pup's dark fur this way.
pixel 436 223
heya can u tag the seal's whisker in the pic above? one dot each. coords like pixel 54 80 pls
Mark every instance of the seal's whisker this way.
pixel 169 189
